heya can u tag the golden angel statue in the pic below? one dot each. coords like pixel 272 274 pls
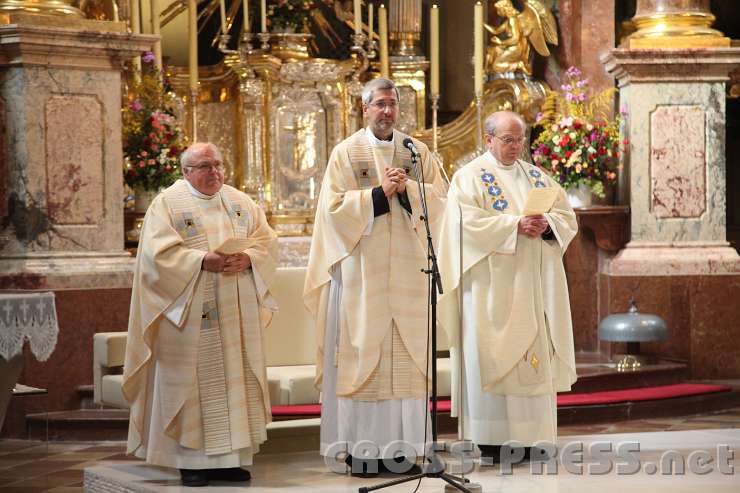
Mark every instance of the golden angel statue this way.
pixel 533 26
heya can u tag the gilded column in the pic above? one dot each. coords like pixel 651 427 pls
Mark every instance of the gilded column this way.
pixel 408 64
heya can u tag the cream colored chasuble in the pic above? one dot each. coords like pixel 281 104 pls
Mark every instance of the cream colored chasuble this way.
pixel 372 346
pixel 219 419
pixel 518 339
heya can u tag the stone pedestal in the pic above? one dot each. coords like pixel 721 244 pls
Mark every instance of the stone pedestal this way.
pixel 61 188
pixel 675 100
pixel 61 196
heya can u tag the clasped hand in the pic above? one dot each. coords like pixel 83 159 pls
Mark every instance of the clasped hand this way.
pixel 394 181
pixel 532 226
pixel 216 262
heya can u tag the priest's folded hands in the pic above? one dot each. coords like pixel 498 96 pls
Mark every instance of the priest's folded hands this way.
pixel 532 226
pixel 217 262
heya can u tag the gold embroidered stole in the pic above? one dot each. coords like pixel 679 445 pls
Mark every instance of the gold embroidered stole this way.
pixel 228 409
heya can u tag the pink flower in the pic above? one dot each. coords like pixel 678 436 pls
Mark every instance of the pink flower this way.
pixel 582 83
pixel 148 57
pixel 135 105
pixel 539 117
pixel 573 72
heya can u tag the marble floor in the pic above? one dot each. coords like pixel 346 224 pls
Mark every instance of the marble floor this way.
pixel 29 466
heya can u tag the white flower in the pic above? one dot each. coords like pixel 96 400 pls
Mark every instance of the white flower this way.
pixel 554 162
pixel 589 127
pixel 578 152
pixel 573 135
pixel 556 149
pixel 591 150
pixel 555 139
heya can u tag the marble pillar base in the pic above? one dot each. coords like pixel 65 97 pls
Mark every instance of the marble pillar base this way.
pixel 661 260
pixel 80 270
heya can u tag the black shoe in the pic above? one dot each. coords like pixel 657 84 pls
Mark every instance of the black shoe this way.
pixel 360 469
pixel 490 454
pixel 535 454
pixel 407 468
pixel 235 474
pixel 194 477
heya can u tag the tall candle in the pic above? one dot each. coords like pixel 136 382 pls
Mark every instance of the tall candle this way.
pixel 245 7
pixel 358 16
pixel 434 50
pixel 156 30
pixel 193 45
pixel 263 18
pixel 222 8
pixel 370 20
pixel 383 32
pixel 478 45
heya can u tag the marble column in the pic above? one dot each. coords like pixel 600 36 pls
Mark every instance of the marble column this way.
pixel 61 187
pixel 678 261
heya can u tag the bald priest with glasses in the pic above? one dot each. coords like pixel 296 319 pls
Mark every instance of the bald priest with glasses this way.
pixel 504 252
pixel 194 372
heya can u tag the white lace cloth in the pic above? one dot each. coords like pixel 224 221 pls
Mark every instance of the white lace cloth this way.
pixel 31 316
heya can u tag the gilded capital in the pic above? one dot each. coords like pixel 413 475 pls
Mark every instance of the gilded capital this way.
pixel 671 24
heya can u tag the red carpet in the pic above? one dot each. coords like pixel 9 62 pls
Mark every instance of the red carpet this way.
pixel 588 399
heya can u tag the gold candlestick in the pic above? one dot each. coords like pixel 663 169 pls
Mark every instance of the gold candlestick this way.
pixel 479 115
pixel 264 40
pixel 194 115
pixel 435 107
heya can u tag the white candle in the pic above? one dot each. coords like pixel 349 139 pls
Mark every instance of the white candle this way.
pixel 434 50
pixel 478 51
pixel 370 20
pixel 358 16
pixel 245 7
pixel 383 32
pixel 222 8
pixel 193 45
pixel 263 18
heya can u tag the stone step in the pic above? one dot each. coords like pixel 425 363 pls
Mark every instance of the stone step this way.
pixel 112 424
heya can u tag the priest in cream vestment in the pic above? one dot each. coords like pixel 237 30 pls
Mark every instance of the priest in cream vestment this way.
pixel 517 335
pixel 195 372
pixel 366 291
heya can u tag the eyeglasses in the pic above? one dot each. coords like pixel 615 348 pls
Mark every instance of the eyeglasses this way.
pixel 382 105
pixel 509 141
pixel 208 166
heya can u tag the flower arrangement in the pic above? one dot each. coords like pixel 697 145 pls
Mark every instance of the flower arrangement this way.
pixel 152 138
pixel 579 144
pixel 289 15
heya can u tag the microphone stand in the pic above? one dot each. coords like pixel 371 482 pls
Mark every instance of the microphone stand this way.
pixel 436 468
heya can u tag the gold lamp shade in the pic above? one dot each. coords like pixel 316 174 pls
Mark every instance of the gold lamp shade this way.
pixel 675 24
pixel 49 7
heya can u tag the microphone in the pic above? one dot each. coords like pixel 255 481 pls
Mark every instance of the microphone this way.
pixel 409 144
